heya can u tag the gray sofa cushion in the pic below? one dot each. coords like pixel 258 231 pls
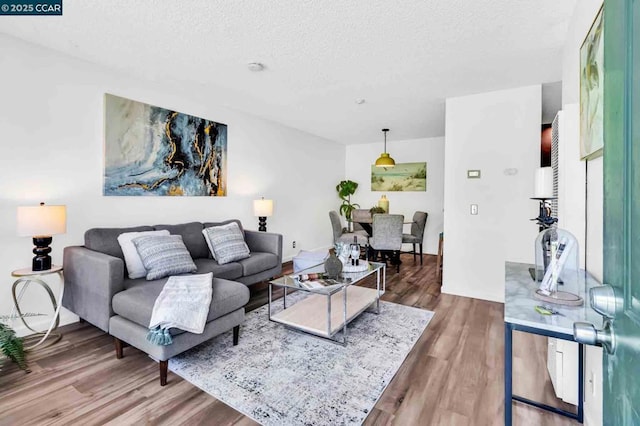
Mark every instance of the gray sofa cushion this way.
pixel 128 283
pixel 191 236
pixel 136 303
pixel 258 262
pixel 105 240
pixel 229 271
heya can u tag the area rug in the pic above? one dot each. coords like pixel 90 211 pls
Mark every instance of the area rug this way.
pixel 278 376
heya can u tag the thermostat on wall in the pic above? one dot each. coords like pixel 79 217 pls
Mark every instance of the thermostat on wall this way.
pixel 473 174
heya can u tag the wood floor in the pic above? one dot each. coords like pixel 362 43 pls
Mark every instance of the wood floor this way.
pixel 453 375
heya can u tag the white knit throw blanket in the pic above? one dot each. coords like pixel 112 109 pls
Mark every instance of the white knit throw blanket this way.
pixel 183 303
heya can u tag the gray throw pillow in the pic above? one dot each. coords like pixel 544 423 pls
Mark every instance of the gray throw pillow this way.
pixel 164 255
pixel 226 243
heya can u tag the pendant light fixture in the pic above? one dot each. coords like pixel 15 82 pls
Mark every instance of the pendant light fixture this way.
pixel 385 160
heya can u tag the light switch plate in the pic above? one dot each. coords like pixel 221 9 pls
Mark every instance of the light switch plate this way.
pixel 474 209
pixel 473 174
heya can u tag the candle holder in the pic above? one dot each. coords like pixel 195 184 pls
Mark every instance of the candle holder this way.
pixel 544 219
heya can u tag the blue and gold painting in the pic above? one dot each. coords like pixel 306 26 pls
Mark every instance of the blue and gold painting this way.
pixel 156 151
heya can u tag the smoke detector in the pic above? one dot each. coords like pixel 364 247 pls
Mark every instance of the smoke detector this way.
pixel 255 66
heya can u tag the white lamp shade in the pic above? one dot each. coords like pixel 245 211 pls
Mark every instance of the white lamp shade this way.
pixel 262 208
pixel 41 220
pixel 543 183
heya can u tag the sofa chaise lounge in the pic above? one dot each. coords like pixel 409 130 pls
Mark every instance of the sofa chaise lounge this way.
pixel 98 289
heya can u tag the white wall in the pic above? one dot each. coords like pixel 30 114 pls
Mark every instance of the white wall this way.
pixel 359 159
pixel 574 211
pixel 584 14
pixel 51 122
pixel 571 177
pixel 571 188
pixel 493 132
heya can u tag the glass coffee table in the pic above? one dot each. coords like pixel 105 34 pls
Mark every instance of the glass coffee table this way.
pixel 322 306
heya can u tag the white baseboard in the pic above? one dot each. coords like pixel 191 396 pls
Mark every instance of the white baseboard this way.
pixel 474 295
pixel 42 323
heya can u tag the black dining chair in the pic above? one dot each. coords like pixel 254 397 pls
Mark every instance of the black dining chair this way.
pixel 417 233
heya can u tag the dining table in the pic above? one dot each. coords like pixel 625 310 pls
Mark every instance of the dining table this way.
pixel 367 224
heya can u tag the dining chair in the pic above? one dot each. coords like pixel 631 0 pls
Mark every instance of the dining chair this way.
pixel 345 237
pixel 417 233
pixel 387 237
pixel 360 215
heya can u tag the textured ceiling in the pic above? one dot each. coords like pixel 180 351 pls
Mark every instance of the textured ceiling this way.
pixel 403 57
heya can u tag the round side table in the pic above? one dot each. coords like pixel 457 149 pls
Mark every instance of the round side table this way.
pixel 25 277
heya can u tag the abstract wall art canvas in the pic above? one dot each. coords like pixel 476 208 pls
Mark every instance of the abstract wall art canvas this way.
pixel 156 151
pixel 402 177
pixel 591 91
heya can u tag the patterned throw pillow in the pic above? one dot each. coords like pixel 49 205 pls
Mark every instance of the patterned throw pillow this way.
pixel 135 267
pixel 226 243
pixel 164 255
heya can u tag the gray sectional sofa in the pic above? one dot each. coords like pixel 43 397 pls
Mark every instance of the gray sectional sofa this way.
pixel 98 290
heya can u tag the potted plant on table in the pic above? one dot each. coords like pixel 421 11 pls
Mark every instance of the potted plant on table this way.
pixel 346 189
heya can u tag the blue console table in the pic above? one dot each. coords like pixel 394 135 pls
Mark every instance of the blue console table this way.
pixel 520 315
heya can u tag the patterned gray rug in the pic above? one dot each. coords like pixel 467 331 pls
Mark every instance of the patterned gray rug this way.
pixel 279 377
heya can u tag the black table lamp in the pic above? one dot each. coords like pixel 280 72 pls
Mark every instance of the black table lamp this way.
pixel 543 192
pixel 41 222
pixel 262 209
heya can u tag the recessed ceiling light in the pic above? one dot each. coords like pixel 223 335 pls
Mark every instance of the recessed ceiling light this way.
pixel 360 101
pixel 255 66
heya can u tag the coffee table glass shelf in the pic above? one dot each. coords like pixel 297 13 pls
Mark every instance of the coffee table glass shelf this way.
pixel 323 307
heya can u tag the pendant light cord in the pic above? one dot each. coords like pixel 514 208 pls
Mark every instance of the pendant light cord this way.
pixel 385 139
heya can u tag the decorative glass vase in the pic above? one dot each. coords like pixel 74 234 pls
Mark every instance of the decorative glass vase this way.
pixel 558 268
pixel 342 251
pixel 383 203
pixel 332 266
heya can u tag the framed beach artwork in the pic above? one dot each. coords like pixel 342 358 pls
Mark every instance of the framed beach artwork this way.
pixel 402 177
pixel 155 151
pixel 591 91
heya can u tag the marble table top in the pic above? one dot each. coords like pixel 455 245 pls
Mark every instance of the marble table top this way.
pixel 519 303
